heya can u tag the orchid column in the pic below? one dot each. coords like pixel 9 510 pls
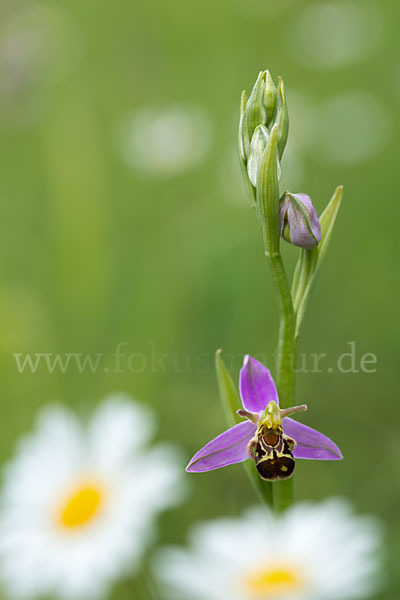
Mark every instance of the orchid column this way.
pixel 263 133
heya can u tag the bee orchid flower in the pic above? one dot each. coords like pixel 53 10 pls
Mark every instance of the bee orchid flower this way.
pixel 268 435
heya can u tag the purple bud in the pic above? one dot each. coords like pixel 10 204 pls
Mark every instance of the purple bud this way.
pixel 299 220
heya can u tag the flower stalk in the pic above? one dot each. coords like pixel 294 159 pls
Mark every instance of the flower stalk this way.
pixel 268 210
pixel 285 360
pixel 263 134
pixel 261 430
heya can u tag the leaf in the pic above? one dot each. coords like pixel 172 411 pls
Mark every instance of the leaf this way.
pixel 227 391
pixel 310 260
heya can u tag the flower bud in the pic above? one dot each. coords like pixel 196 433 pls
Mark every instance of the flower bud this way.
pixel 257 148
pixel 282 118
pixel 265 106
pixel 254 114
pixel 258 144
pixel 270 97
pixel 299 220
pixel 264 112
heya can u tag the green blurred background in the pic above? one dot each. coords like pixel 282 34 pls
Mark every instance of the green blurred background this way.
pixel 110 235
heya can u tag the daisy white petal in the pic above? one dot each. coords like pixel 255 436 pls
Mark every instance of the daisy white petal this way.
pixel 114 421
pixel 310 552
pixel 79 504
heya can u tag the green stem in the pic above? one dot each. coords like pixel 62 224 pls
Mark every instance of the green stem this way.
pixel 153 593
pixel 285 359
pixel 262 488
pixel 286 350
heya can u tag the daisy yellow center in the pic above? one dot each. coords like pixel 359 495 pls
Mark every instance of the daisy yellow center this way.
pixel 271 582
pixel 81 506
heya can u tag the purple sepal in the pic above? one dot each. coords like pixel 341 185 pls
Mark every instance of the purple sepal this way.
pixel 256 385
pixel 228 448
pixel 310 444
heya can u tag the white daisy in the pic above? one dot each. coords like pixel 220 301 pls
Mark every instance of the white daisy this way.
pixel 78 503
pixel 38 45
pixel 311 552
pixel 165 142
pixel 328 35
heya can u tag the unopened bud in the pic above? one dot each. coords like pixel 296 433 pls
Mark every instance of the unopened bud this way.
pixel 257 148
pixel 259 142
pixel 254 114
pixel 299 220
pixel 282 118
pixel 262 114
pixel 270 97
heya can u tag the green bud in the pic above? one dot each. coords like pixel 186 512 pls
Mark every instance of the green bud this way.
pixel 243 163
pixel 270 97
pixel 254 114
pixel 282 118
pixel 257 147
pixel 265 109
pixel 259 142
pixel 243 102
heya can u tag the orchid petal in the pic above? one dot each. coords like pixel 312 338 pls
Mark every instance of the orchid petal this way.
pixel 228 448
pixel 310 443
pixel 257 387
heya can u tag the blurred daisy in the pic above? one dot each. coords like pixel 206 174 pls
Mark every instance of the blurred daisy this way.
pixel 327 35
pixel 78 503
pixel 165 142
pixel 345 134
pixel 259 9
pixel 38 47
pixel 311 552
